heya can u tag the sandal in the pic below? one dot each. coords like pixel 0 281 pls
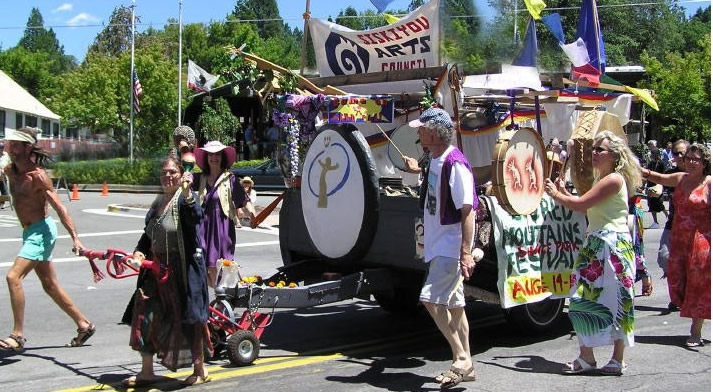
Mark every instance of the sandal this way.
pixel 455 376
pixel 195 379
pixel 613 368
pixel 694 342
pixel 584 366
pixel 647 286
pixel 135 381
pixel 82 336
pixel 18 346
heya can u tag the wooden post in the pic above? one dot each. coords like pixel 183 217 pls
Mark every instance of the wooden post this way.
pixel 305 32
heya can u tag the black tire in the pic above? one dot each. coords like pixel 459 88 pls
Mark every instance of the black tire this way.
pixel 243 348
pixel 538 317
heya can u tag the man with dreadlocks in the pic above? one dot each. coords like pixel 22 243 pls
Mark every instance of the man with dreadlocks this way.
pixel 32 192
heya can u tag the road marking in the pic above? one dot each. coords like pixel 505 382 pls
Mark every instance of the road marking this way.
pixel 85 235
pixel 99 211
pixel 263 365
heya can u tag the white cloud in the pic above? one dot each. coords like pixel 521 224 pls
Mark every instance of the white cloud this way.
pixel 83 18
pixel 62 8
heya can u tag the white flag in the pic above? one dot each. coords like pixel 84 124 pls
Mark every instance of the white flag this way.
pixel 199 79
pixel 577 52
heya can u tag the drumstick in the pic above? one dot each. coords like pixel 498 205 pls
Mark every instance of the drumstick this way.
pixel 570 147
pixel 390 141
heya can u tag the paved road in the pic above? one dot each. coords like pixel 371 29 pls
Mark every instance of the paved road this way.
pixel 349 346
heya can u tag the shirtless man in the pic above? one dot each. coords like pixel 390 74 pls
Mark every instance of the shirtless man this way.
pixel 32 191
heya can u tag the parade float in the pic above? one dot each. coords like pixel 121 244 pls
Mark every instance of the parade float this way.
pixel 350 225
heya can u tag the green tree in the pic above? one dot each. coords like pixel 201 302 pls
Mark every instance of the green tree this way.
pixel 37 39
pixel 263 14
pixel 31 70
pixel 115 38
pixel 682 85
pixel 217 122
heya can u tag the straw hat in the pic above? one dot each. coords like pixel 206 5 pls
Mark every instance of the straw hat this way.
pixel 248 180
pixel 212 147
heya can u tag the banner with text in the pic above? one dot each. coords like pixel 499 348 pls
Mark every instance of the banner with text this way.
pixel 360 109
pixel 536 252
pixel 412 42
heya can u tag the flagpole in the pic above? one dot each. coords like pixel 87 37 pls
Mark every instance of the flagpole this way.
pixel 303 58
pixel 131 91
pixel 180 61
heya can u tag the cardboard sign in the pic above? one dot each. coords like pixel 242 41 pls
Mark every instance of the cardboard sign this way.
pixel 356 109
pixel 536 252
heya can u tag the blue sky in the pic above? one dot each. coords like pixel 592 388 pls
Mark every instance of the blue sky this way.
pixel 77 22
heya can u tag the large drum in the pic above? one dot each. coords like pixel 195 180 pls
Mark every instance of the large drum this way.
pixel 519 170
pixel 406 138
pixel 580 161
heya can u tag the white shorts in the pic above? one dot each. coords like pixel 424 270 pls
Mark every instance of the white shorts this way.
pixel 444 283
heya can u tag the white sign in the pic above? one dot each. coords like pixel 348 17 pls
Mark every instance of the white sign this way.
pixel 410 43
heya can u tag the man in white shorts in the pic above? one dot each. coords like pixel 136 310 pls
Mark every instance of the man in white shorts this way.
pixel 448 200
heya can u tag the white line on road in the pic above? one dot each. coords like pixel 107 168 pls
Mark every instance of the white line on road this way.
pixel 106 233
pixel 77 258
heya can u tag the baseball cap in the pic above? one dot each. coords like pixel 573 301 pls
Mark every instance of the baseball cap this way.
pixel 437 115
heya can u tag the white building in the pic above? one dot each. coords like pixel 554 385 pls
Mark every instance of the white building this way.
pixel 18 108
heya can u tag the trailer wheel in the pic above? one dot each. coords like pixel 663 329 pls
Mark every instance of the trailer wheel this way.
pixel 537 317
pixel 243 348
pixel 217 335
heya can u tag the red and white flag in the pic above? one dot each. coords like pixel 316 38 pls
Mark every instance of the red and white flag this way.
pixel 199 79
pixel 138 93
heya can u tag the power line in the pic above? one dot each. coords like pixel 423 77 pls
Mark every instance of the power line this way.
pixel 151 24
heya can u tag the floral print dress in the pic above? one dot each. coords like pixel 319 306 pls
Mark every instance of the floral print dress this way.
pixel 689 263
pixel 601 305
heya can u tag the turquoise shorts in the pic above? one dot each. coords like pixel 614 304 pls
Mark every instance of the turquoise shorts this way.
pixel 38 240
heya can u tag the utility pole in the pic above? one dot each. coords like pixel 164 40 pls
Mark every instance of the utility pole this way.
pixel 180 61
pixel 131 90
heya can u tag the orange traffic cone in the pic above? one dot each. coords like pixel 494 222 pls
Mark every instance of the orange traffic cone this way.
pixel 75 193
pixel 105 189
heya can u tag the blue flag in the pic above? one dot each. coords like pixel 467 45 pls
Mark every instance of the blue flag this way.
pixel 381 4
pixel 588 29
pixel 528 54
pixel 554 24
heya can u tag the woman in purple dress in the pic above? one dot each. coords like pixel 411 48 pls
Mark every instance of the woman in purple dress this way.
pixel 220 195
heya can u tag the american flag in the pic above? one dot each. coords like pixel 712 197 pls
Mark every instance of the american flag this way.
pixel 138 93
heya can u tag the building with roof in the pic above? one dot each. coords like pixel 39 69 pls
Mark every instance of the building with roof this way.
pixel 18 108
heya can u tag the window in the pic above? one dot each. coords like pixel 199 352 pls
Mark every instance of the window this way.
pixel 45 127
pixel 31 121
pixel 18 121
pixel 55 130
pixel 2 123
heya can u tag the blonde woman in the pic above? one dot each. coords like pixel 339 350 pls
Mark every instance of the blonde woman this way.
pixel 602 294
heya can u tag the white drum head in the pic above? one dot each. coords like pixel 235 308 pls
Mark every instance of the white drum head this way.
pixel 332 194
pixel 405 138
pixel 523 171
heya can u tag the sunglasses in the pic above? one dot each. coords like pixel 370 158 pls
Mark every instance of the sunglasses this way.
pixel 692 159
pixel 679 154
pixel 599 150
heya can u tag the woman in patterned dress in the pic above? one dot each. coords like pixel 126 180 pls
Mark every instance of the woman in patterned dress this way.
pixel 601 306
pixel 170 311
pixel 689 262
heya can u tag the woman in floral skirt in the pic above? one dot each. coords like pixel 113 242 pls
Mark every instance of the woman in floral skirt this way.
pixel 602 294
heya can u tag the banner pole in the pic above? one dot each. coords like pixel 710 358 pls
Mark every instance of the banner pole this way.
pixel 305 32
